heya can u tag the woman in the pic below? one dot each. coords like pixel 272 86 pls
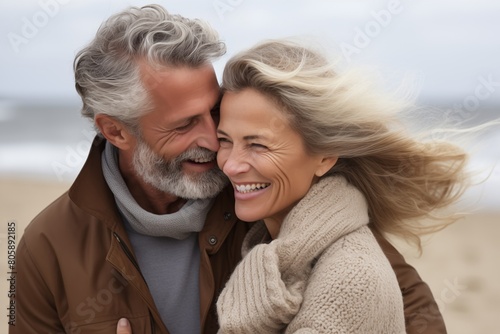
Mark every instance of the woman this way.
pixel 319 159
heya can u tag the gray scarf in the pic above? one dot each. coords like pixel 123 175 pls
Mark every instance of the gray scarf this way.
pixel 178 225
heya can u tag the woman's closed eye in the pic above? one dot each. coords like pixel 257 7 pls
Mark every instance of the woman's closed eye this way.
pixel 223 141
pixel 258 146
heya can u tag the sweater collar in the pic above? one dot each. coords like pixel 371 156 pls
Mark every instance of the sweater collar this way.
pixel 332 206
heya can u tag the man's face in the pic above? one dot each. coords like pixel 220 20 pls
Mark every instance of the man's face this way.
pixel 176 148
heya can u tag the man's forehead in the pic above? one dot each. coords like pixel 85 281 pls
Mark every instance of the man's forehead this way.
pixel 178 93
pixel 154 75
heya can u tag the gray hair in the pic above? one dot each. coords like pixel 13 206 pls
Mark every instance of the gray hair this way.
pixel 107 70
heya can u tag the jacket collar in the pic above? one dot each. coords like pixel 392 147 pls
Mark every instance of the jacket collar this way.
pixel 90 191
pixel 219 222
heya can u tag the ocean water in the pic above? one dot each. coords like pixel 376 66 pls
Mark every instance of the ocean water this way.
pixel 50 141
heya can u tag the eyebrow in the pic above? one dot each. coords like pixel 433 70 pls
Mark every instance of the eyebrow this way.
pixel 252 137
pixel 249 137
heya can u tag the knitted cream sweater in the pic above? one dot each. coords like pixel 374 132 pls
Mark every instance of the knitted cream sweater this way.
pixel 324 273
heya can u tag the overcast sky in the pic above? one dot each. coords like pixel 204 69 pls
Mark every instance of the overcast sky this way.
pixel 451 47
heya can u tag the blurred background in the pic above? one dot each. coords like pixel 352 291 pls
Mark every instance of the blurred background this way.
pixel 448 50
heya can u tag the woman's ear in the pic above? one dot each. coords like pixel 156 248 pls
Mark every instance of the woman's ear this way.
pixel 114 131
pixel 325 165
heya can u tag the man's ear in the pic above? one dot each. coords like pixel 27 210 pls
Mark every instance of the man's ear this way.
pixel 114 131
pixel 325 165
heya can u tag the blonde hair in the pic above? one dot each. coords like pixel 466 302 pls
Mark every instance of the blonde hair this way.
pixel 402 178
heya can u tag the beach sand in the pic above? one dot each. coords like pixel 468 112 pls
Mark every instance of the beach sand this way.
pixel 461 264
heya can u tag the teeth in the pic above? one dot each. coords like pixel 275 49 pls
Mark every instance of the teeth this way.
pixel 201 161
pixel 251 187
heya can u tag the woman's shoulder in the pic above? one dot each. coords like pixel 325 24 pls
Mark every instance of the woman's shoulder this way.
pixel 352 286
pixel 356 255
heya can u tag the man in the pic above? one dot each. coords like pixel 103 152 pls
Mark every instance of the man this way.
pixel 147 231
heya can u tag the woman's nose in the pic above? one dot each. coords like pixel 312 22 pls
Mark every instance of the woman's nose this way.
pixel 235 163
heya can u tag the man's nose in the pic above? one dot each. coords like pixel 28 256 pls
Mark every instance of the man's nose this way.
pixel 208 135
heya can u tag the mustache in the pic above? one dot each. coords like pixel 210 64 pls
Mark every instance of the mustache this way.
pixel 196 153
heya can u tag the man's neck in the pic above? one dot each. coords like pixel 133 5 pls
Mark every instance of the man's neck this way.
pixel 148 197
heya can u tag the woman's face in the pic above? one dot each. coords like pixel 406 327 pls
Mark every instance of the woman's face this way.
pixel 264 158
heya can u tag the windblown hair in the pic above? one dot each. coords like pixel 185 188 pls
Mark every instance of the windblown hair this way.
pixel 107 70
pixel 404 179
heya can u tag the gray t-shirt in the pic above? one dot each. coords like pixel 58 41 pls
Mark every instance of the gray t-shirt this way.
pixel 171 270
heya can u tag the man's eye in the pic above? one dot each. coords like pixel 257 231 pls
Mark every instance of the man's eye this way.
pixel 185 127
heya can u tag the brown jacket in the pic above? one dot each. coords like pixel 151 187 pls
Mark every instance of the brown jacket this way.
pixel 77 273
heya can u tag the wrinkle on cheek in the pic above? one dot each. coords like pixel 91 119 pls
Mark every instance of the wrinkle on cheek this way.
pixel 284 182
pixel 280 177
pixel 163 142
pixel 159 141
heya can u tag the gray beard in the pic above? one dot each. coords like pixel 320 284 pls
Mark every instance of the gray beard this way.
pixel 168 176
